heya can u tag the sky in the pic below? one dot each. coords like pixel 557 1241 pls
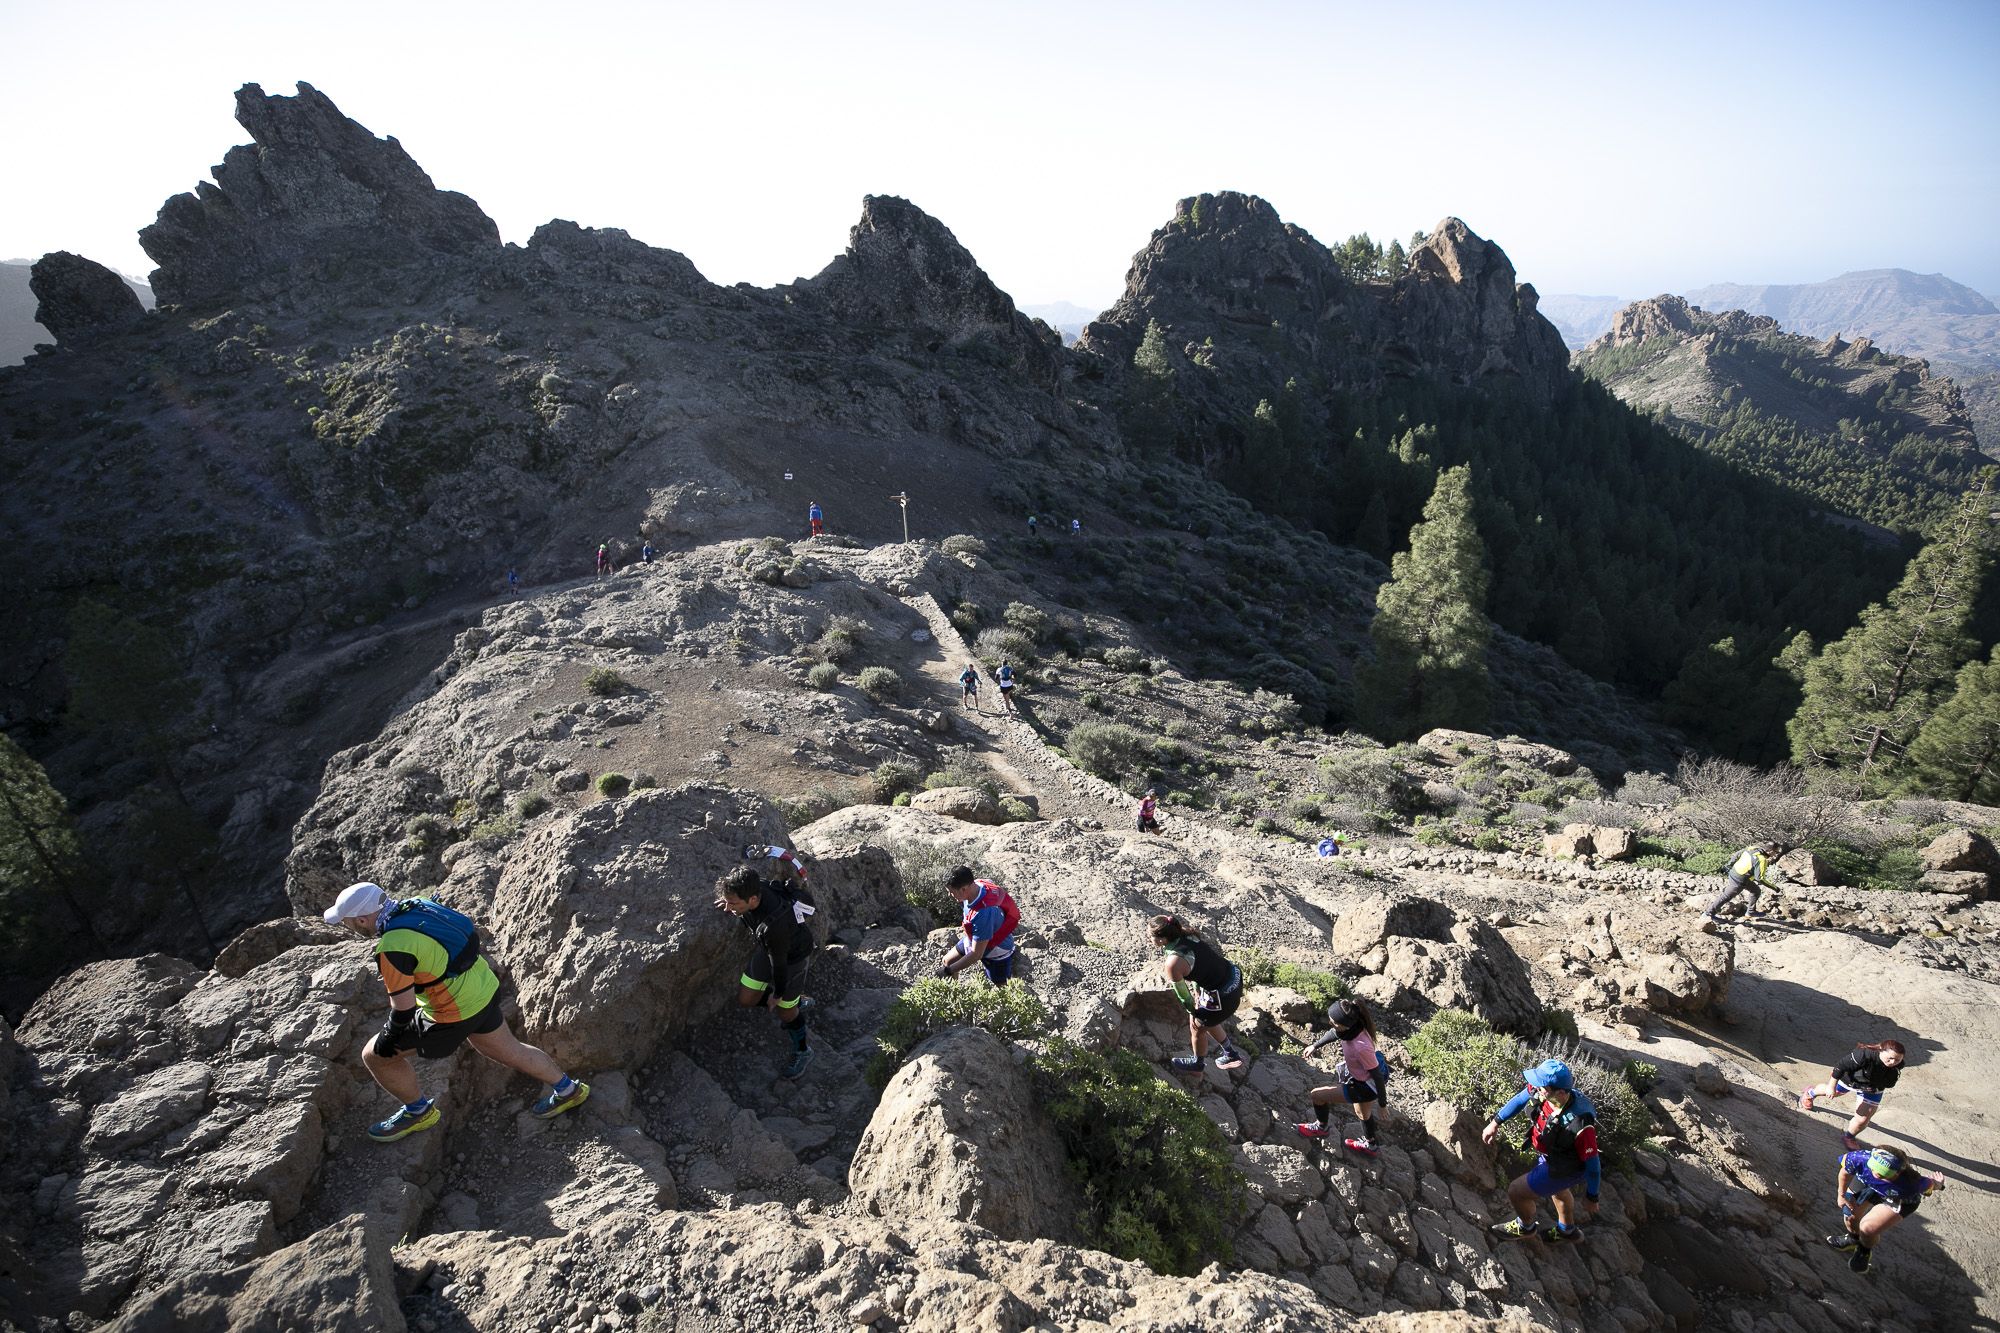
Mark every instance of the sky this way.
pixel 1619 150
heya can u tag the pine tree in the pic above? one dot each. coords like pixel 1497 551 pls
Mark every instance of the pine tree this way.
pixel 1957 753
pixel 1430 628
pixel 40 860
pixel 1152 408
pixel 1867 693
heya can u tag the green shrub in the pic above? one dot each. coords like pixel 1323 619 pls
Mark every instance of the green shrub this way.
pixel 935 1003
pixel 962 544
pixel 644 782
pixel 613 785
pixel 1465 1062
pixel 1322 988
pixel 1435 835
pixel 1373 774
pixel 995 646
pixel 1305 810
pixel 1124 658
pixel 425 833
pixel 1093 701
pixel 1559 1023
pixel 1264 824
pixel 880 683
pixel 902 798
pixel 891 778
pixel 603 682
pixel 492 832
pixel 1015 810
pixel 1158 1177
pixel 1111 750
pixel 530 806
pixel 1029 620
pixel 959 771
pixel 823 676
pixel 814 803
pixel 1489 840
pixel 923 865
pixel 1639 1075
pixel 1892 867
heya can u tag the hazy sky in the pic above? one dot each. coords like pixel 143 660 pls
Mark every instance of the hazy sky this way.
pixel 1618 149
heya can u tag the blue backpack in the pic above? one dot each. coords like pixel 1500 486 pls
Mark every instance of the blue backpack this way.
pixel 455 931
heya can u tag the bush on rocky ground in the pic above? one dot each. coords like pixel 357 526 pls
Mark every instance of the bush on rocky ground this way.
pixel 923 864
pixel 613 785
pixel 933 1004
pixel 1158 1176
pixel 838 642
pixel 1374 776
pixel 880 683
pixel 823 676
pixel 1464 1061
pixel 1734 803
pixel 890 779
pixel 814 803
pixel 603 682
pixel 1693 855
pixel 1322 988
pixel 1896 866
pixel 962 771
pixel 1111 750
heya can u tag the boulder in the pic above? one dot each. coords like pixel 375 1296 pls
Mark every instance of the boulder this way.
pixel 1614 844
pixel 1454 1142
pixel 267 939
pixel 607 919
pixel 970 804
pixel 1973 884
pixel 1374 918
pixel 164 1100
pixel 1802 865
pixel 1476 971
pixel 1659 958
pixel 1454 747
pixel 1573 841
pixel 337 1279
pixel 960 1136
pixel 81 299
pixel 1961 850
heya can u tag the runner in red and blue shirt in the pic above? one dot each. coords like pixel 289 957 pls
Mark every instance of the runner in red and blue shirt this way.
pixel 986 935
pixel 1563 1134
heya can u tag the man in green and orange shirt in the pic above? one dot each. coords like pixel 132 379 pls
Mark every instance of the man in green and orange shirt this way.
pixel 441 993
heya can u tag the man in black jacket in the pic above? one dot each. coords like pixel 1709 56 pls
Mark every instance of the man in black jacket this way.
pixel 775 976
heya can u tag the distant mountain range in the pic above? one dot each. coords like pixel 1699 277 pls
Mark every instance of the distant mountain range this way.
pixel 1926 315
pixel 1064 317
pixel 1870 434
pixel 18 330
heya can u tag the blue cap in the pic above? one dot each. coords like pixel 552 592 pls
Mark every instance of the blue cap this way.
pixel 1550 1074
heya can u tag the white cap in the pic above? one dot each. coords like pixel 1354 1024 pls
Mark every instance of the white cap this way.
pixel 356 900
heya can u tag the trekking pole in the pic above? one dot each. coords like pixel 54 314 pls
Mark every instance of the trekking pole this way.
pixel 902 498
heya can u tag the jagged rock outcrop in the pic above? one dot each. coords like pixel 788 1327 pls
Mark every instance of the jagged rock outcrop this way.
pixel 903 269
pixel 1251 300
pixel 1641 954
pixel 1742 376
pixel 1421 947
pixel 959 1136
pixel 80 299
pixel 313 192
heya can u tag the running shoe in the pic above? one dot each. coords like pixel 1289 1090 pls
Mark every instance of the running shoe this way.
pixel 1187 1063
pixel 1229 1058
pixel 1561 1235
pixel 1806 1100
pixel 1362 1146
pixel 1842 1242
pixel 1753 916
pixel 1858 1261
pixel 1512 1227
pixel 1311 1129
pixel 802 1057
pixel 403 1124
pixel 1849 1142
pixel 551 1106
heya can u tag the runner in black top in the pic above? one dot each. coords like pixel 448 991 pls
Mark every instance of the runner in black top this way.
pixel 1210 987
pixel 1870 1070
pixel 776 973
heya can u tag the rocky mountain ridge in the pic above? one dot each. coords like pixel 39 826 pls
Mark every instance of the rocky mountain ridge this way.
pixel 1703 371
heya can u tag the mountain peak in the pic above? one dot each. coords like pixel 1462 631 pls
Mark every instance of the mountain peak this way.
pixel 313 189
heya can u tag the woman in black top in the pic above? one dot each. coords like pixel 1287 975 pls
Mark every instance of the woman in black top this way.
pixel 1870 1070
pixel 1209 986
